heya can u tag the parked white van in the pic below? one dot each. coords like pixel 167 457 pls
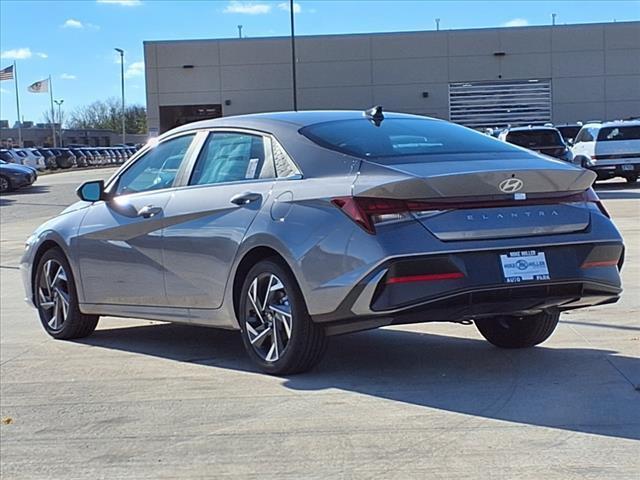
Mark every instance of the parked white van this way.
pixel 611 149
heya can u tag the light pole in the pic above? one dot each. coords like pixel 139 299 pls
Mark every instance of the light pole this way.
pixel 59 104
pixel 293 56
pixel 121 52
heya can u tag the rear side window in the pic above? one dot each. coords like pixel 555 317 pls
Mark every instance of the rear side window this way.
pixel 535 138
pixel 229 157
pixel 619 133
pixel 400 137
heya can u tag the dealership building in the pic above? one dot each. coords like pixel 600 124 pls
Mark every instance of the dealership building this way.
pixel 480 77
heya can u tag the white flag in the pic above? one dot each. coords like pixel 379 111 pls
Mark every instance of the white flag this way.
pixel 39 87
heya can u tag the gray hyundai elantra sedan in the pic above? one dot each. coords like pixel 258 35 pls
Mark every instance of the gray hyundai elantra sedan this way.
pixel 295 226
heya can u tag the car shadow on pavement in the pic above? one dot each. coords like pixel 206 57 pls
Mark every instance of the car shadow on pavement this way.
pixel 575 389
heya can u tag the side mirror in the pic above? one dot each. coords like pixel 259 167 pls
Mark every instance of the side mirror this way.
pixel 91 191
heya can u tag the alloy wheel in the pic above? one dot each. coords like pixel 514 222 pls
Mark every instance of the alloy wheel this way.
pixel 4 184
pixel 53 294
pixel 269 319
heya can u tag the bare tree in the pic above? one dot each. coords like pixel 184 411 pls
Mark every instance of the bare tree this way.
pixel 59 117
pixel 107 114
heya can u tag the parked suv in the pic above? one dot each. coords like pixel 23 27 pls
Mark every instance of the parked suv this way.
pixel 611 149
pixel 569 131
pixel 546 140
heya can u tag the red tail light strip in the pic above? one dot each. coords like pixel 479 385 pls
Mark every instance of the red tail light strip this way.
pixel 425 278
pixel 605 263
pixel 360 209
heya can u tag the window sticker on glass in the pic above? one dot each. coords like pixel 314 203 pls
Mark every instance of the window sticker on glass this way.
pixel 251 168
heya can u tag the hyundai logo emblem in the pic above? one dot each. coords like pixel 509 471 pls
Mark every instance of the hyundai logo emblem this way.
pixel 511 185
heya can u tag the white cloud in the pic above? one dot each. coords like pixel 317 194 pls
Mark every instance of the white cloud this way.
pixel 124 3
pixel 16 54
pixel 285 6
pixel 68 76
pixel 72 23
pixel 21 54
pixel 136 69
pixel 516 22
pixel 247 8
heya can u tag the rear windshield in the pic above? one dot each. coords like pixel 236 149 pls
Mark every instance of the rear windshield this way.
pixel 400 137
pixel 619 133
pixel 534 138
pixel 569 132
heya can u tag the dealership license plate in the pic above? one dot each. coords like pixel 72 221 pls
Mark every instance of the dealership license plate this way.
pixel 627 167
pixel 524 266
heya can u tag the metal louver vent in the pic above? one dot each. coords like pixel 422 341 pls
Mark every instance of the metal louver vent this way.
pixel 498 104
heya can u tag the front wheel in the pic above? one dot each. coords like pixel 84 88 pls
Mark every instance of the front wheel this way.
pixel 57 301
pixel 277 331
pixel 518 332
pixel 632 178
pixel 5 184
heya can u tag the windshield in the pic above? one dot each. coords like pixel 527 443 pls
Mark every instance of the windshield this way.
pixel 619 133
pixel 400 137
pixel 534 138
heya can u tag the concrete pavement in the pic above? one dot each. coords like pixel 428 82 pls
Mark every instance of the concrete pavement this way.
pixel 143 399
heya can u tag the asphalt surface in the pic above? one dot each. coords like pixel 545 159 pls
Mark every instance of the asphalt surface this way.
pixel 143 399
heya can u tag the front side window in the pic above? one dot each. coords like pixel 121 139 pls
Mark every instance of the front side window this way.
pixel 585 135
pixel 156 169
pixel 229 157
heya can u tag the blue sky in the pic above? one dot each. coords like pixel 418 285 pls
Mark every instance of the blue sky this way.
pixel 73 41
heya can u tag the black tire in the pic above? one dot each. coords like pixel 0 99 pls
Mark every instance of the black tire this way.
pixel 518 332
pixel 632 178
pixel 5 184
pixel 76 324
pixel 306 342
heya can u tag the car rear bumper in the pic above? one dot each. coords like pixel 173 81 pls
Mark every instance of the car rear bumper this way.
pixel 579 276
pixel 610 168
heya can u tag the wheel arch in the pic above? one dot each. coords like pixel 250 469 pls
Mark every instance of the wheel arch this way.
pixel 249 259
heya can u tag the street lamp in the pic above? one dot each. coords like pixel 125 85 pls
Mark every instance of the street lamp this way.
pixel 121 52
pixel 59 104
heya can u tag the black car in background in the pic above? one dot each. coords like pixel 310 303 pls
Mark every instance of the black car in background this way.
pixel 569 131
pixel 545 140
pixel 14 176
pixel 81 158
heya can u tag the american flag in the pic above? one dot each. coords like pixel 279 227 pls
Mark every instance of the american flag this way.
pixel 6 73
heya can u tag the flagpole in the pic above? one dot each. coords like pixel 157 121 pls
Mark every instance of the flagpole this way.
pixel 15 77
pixel 53 115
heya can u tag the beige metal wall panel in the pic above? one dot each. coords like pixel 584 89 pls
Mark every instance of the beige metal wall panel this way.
pixel 256 77
pixel 411 70
pixel 409 45
pixel 177 54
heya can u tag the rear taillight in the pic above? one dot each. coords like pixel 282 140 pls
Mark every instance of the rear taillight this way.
pixel 367 212
pixel 592 197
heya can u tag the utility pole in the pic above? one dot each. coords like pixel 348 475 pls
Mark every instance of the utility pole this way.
pixel 121 52
pixel 59 104
pixel 293 57
pixel 239 31
pixel 437 24
pixel 553 19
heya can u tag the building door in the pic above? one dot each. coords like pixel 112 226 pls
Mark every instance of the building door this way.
pixel 498 104
pixel 175 115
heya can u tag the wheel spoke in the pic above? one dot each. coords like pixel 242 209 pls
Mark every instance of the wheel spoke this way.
pixel 272 355
pixel 284 317
pixel 44 301
pixel 64 303
pixel 253 295
pixel 260 337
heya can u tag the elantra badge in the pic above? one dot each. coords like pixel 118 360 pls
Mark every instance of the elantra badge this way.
pixel 511 185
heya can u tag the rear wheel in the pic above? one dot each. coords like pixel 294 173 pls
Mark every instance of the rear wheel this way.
pixel 632 178
pixel 277 331
pixel 57 301
pixel 518 332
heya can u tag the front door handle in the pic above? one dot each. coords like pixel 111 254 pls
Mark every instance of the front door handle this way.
pixel 245 198
pixel 149 211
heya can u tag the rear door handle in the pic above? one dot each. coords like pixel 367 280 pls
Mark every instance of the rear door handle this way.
pixel 245 198
pixel 149 211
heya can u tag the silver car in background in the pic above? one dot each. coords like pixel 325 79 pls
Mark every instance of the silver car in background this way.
pixel 295 226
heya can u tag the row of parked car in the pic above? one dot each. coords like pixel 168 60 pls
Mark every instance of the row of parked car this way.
pixel 42 158
pixel 610 149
